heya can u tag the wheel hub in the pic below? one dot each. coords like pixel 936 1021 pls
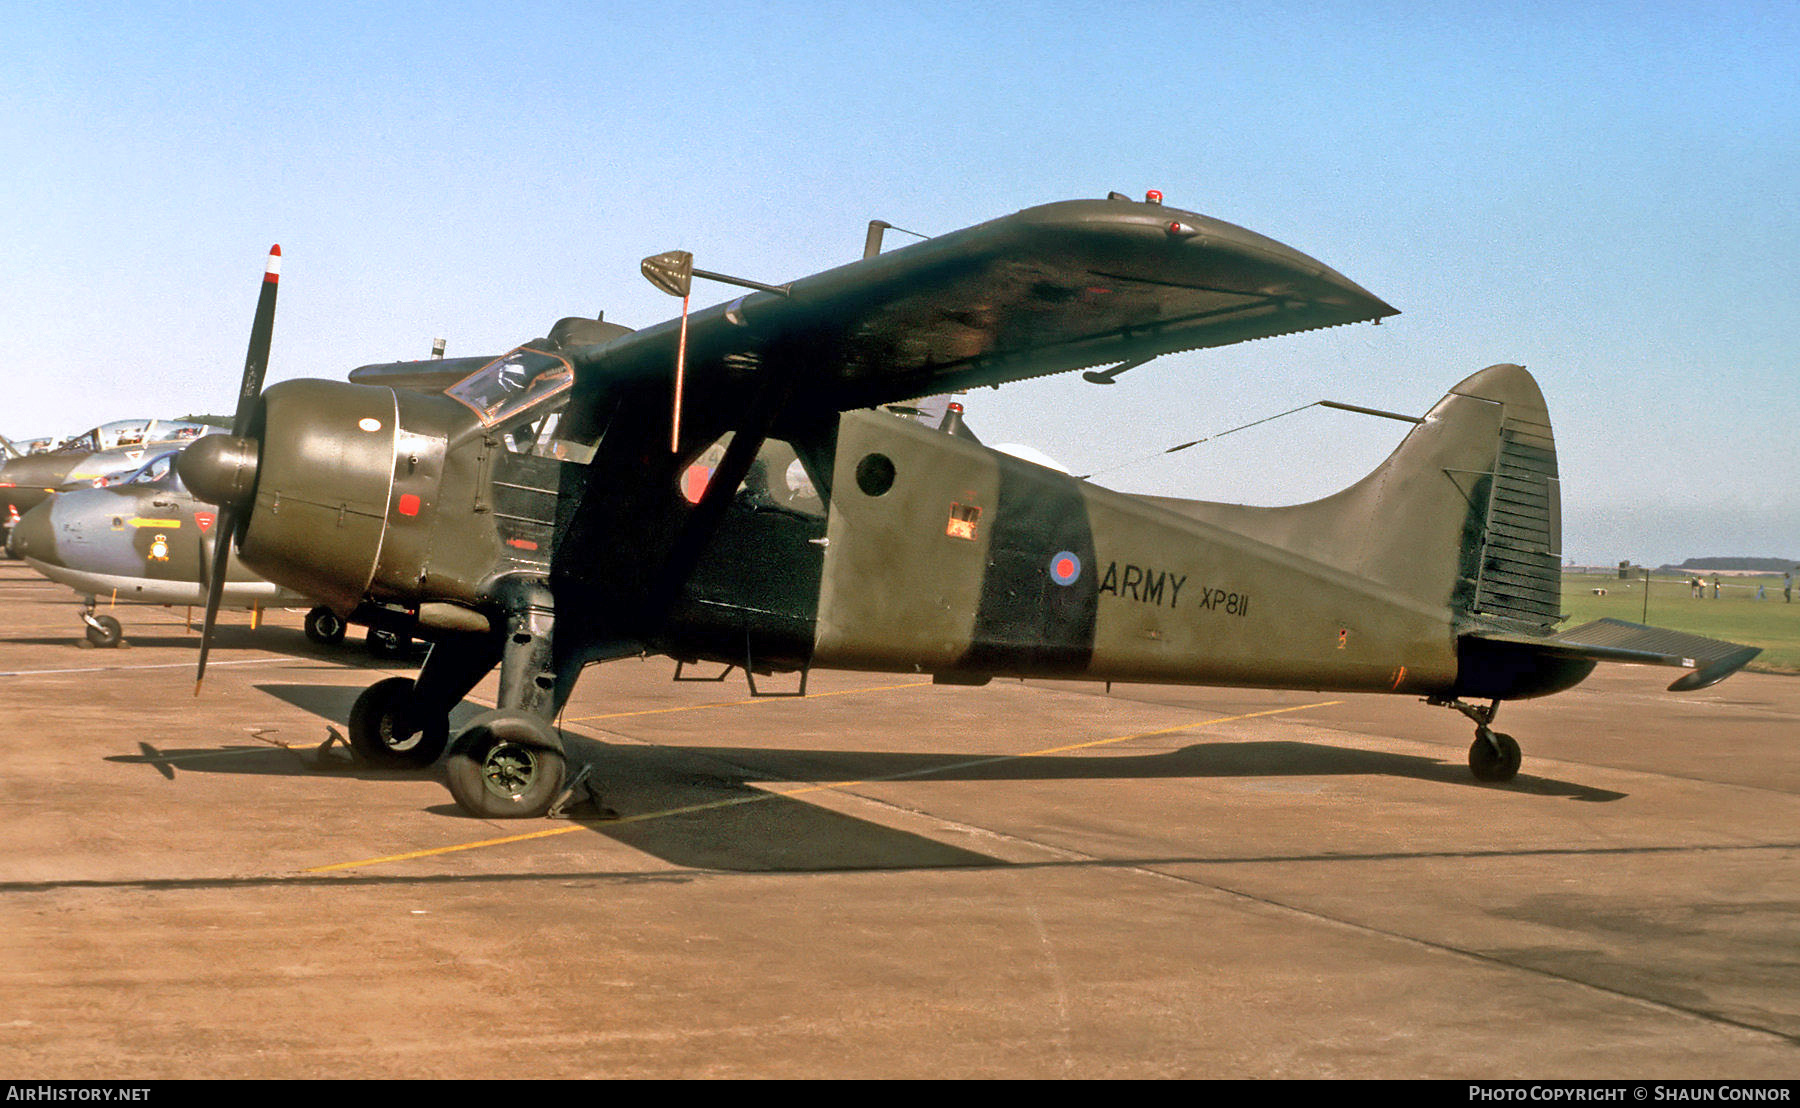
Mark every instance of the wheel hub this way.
pixel 508 769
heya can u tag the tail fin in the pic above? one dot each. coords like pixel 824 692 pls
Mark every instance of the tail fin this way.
pixel 1465 513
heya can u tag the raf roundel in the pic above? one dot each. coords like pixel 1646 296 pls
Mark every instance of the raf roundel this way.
pixel 1065 568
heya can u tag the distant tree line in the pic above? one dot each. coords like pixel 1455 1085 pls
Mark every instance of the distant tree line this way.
pixel 1766 565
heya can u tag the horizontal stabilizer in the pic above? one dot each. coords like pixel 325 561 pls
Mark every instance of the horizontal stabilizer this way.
pixel 1614 640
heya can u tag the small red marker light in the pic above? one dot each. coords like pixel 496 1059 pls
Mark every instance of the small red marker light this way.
pixel 955 407
pixel 1154 196
pixel 409 504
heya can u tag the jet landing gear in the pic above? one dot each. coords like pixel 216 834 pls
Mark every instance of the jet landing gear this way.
pixel 102 631
pixel 1493 756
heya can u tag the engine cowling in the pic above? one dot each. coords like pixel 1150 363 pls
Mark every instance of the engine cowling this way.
pixel 326 481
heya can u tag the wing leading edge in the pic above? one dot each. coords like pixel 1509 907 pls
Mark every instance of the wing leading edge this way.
pixel 1049 289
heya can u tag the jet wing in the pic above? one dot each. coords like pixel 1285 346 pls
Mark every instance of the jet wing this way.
pixel 1614 640
pixel 1048 289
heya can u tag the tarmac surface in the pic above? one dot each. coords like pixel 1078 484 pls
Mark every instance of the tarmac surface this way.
pixel 885 879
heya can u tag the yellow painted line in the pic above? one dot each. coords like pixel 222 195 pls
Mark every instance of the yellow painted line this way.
pixel 168 524
pixel 774 794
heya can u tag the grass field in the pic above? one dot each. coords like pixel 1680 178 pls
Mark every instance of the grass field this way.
pixel 1737 615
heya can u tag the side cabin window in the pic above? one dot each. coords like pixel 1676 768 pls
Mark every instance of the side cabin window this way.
pixel 777 480
pixel 542 437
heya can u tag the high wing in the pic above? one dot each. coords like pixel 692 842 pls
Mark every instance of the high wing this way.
pixel 1053 288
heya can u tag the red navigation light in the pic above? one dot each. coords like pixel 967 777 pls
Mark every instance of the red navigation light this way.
pixel 1154 196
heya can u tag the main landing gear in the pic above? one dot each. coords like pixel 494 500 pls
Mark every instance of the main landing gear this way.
pixel 1493 756
pixel 509 763
pixel 325 626
pixel 505 764
pixel 391 727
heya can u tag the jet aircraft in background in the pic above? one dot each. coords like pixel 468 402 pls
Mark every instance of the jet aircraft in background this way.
pixel 146 539
pixel 106 452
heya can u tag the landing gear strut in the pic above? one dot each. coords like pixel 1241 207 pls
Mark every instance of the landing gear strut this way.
pixel 509 763
pixel 102 631
pixel 404 724
pixel 1493 756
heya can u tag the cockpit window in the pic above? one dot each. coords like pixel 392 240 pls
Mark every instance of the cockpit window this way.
pixel 508 386
pixel 155 470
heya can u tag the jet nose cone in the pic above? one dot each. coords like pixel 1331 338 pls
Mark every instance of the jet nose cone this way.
pixel 34 536
pixel 220 469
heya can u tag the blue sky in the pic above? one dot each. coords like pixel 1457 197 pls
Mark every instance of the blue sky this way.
pixel 1606 193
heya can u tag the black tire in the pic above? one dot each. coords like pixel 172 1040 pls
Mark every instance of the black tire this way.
pixel 388 729
pixel 107 634
pixel 1490 764
pixel 325 626
pixel 506 765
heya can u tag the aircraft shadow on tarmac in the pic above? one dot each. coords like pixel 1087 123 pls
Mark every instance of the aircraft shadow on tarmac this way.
pixel 722 808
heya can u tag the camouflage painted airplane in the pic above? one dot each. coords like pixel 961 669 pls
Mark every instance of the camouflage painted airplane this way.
pixel 145 539
pixel 542 546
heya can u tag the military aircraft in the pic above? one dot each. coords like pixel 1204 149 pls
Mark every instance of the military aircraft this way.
pixel 106 452
pixel 146 539
pixel 543 546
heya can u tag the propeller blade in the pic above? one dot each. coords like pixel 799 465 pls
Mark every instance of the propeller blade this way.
pixel 262 331
pixel 215 589
pixel 256 365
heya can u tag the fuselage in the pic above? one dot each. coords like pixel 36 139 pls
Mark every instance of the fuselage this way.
pixel 940 556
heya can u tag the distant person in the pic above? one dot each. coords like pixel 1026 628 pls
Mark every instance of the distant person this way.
pixel 1715 586
pixel 1787 588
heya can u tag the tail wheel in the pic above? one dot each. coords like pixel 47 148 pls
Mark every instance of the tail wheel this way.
pixel 325 626
pixel 506 765
pixel 105 631
pixel 388 727
pixel 1494 756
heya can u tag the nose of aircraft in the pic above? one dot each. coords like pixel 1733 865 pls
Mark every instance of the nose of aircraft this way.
pixel 34 536
pixel 220 469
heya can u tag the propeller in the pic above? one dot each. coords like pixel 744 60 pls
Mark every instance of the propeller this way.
pixel 256 364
